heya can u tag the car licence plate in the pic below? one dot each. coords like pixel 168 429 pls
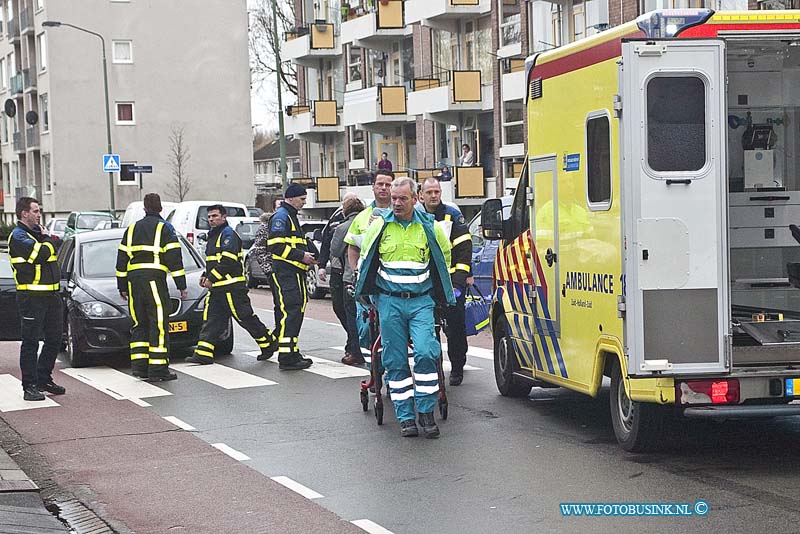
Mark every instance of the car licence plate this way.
pixel 180 326
pixel 792 387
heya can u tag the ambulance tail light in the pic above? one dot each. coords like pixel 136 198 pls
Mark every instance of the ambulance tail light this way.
pixel 190 237
pixel 721 391
pixel 666 23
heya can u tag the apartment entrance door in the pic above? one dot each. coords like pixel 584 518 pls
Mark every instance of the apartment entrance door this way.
pixel 394 149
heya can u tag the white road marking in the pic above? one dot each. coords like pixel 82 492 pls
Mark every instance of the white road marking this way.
pixel 233 453
pixel 446 364
pixel 297 487
pixel 116 384
pixel 371 527
pixel 222 376
pixel 266 310
pixel 180 424
pixel 323 367
pixel 11 396
pixel 140 402
pixel 332 324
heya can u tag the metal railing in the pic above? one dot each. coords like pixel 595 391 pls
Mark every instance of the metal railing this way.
pixel 17 142
pixel 13 29
pixel 25 19
pixel 16 83
pixel 32 136
pixel 29 78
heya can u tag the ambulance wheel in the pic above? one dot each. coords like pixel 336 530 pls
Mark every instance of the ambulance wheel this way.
pixel 364 400
pixel 379 413
pixel 505 363
pixel 638 426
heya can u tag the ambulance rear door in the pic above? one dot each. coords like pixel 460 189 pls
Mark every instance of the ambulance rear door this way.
pixel 672 96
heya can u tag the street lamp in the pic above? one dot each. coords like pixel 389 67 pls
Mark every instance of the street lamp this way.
pixel 57 24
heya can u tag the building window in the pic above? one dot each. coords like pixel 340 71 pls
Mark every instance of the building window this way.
pixel 6 179
pixel 125 113
pixel 126 177
pixel 578 20
pixel 353 64
pixel 39 5
pixel 122 51
pixel 676 123
pixel 598 160
pixel 3 128
pixel 15 175
pixel 47 181
pixel 357 144
pixel 513 128
pixel 44 112
pixel 509 23
pixel 3 77
pixel 41 51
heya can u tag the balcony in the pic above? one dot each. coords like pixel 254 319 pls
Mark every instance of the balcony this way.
pixel 444 14
pixel 29 80
pixel 376 109
pixel 12 31
pixel 442 99
pixel 312 123
pixel 26 21
pixel 32 137
pixel 19 146
pixel 315 42
pixel 378 29
pixel 16 84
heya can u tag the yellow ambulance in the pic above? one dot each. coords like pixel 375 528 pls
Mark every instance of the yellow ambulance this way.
pixel 649 239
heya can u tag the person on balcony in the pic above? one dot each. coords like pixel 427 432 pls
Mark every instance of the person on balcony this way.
pixel 385 163
pixel 467 158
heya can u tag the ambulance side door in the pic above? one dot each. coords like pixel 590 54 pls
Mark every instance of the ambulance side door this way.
pixel 674 202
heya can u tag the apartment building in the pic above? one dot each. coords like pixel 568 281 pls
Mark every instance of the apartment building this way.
pixel 167 73
pixel 266 166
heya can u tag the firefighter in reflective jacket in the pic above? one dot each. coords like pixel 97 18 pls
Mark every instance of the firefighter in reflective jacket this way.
pixel 460 269
pixel 291 259
pixel 36 274
pixel 405 262
pixel 148 251
pixel 227 296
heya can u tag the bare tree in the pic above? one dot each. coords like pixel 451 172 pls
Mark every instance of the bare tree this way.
pixel 262 42
pixel 178 158
pixel 263 137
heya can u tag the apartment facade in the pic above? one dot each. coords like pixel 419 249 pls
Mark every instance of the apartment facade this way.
pixel 418 78
pixel 166 74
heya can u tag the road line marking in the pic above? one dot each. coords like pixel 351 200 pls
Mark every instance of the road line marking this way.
pixel 324 367
pixel 446 364
pixel 332 324
pixel 180 424
pixel 297 487
pixel 116 384
pixel 222 376
pixel 233 453
pixel 140 402
pixel 11 396
pixel 265 310
pixel 371 527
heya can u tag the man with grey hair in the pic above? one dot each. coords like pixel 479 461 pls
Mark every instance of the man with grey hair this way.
pixel 404 266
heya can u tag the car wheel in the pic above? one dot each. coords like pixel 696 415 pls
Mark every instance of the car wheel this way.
pixel 312 285
pixel 248 275
pixel 225 347
pixel 75 356
pixel 505 361
pixel 638 426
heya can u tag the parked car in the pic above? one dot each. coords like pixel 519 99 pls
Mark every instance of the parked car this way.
pixel 484 251
pixel 97 320
pixel 57 227
pixel 105 225
pixel 84 221
pixel 9 316
pixel 314 229
pixel 135 212
pixel 254 211
pixel 190 218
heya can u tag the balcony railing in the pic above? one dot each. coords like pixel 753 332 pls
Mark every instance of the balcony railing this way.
pixel 25 20
pixel 465 84
pixel 17 141
pixel 32 136
pixel 322 37
pixel 16 83
pixel 29 78
pixel 325 113
pixel 13 29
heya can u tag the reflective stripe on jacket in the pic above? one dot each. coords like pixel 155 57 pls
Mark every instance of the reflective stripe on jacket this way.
pixel 33 259
pixel 224 258
pixel 287 243
pixel 149 248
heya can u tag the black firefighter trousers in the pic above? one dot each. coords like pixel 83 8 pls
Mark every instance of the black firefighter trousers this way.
pixel 290 299
pixel 222 303
pixel 41 317
pixel 149 303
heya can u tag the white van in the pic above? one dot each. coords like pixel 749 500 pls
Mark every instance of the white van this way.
pixel 190 217
pixel 135 212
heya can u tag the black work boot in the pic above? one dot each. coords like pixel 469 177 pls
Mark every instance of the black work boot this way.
pixel 202 360
pixel 428 425
pixel 139 371
pixel 408 429
pixel 295 364
pixel 51 387
pixel 268 351
pixel 32 393
pixel 456 376
pixel 161 376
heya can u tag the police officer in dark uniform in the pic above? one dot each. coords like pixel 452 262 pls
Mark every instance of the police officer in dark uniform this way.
pixel 33 258
pixel 224 277
pixel 292 254
pixel 460 271
pixel 149 250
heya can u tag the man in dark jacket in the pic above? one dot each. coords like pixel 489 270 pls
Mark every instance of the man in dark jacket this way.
pixel 224 277
pixel 33 258
pixel 149 250
pixel 292 254
pixel 460 270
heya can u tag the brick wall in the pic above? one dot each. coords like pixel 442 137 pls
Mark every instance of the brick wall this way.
pixel 621 11
pixel 423 68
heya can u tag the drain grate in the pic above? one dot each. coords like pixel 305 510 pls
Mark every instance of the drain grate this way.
pixel 78 518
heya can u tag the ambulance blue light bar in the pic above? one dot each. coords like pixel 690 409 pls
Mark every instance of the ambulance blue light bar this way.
pixel 666 23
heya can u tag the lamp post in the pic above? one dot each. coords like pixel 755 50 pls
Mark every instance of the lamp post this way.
pixel 57 24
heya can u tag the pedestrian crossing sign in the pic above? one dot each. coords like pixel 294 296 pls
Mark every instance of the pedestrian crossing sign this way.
pixel 110 162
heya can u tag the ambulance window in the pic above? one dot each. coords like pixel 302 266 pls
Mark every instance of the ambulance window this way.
pixel 676 123
pixel 520 212
pixel 598 161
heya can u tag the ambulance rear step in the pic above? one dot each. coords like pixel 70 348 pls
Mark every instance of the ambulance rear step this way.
pixel 742 412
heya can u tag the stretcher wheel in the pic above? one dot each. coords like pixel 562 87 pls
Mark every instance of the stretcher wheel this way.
pixel 379 413
pixel 364 400
pixel 443 407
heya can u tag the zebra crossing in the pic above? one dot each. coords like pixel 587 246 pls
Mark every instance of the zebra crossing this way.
pixel 120 385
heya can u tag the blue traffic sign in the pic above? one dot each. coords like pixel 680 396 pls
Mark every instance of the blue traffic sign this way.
pixel 111 163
